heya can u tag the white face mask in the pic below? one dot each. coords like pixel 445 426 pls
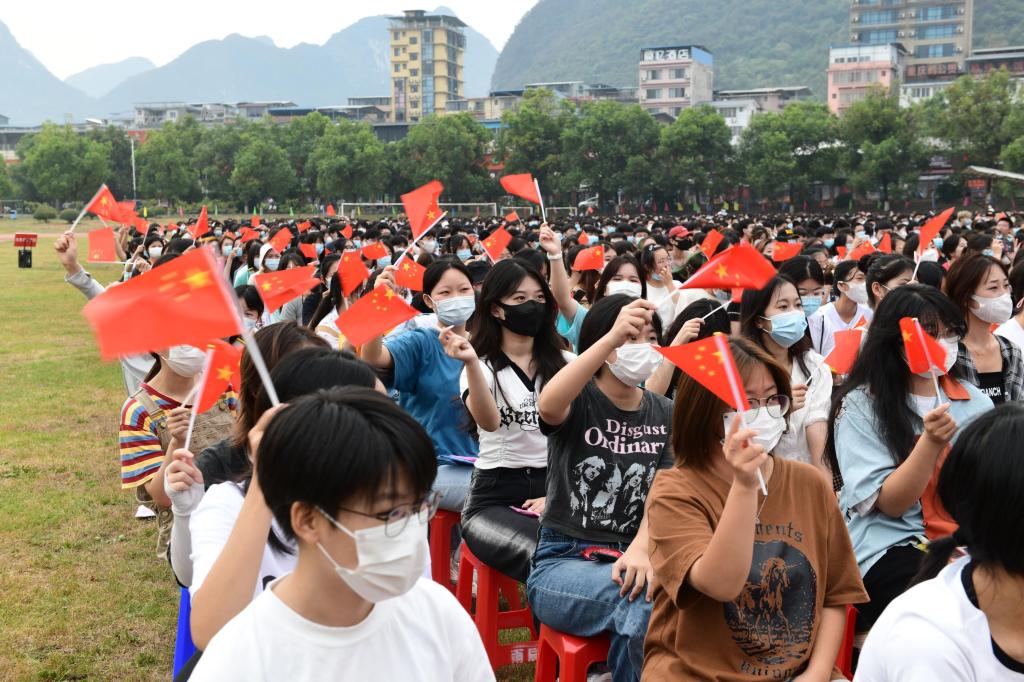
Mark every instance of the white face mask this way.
pixel 155 251
pixel 623 287
pixel 930 256
pixel 993 310
pixel 186 361
pixel 635 363
pixel 857 292
pixel 387 567
pixel 952 348
pixel 428 246
pixel 769 429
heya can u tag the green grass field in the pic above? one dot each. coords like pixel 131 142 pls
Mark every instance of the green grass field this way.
pixel 82 596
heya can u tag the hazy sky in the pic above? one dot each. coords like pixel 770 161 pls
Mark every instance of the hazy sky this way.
pixel 68 37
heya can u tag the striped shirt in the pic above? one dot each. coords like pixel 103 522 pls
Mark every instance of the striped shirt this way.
pixel 141 454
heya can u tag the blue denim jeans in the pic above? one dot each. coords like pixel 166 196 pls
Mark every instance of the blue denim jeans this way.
pixel 453 483
pixel 576 596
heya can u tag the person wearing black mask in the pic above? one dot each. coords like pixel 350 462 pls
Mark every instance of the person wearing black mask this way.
pixel 514 351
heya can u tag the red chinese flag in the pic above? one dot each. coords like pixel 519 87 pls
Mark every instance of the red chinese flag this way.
pixel 374 251
pixel 841 250
pixel 278 287
pixel 512 218
pixel 202 225
pixel 861 323
pixel 590 210
pixel 738 267
pixel 124 212
pixel 222 370
pixel 589 259
pixel 104 205
pixel 330 210
pixel 710 363
pixel 846 350
pixel 372 315
pixel 248 234
pixel 421 207
pixel 101 246
pixel 583 239
pixel 711 243
pixel 352 272
pixel 931 229
pixel 410 275
pixel 785 250
pixel 303 226
pixel 862 250
pixel 308 250
pixel 281 240
pixel 141 224
pixel 254 221
pixel 885 243
pixel 346 232
pixel 496 244
pixel 185 301
pixel 923 352
pixel 521 185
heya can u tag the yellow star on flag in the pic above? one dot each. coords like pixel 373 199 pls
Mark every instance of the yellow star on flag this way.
pixel 907 336
pixel 198 279
pixel 224 373
pixel 722 271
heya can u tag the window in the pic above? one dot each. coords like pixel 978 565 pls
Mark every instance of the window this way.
pixel 414 104
pixel 396 35
pixel 676 93
pixel 652 93
pixel 654 74
pixel 413 56
pixel 728 112
pixel 930 51
pixel 676 111
pixel 413 87
pixel 677 74
pixel 398 51
pixel 414 72
pixel 936 13
pixel 412 40
pixel 428 36
pixel 398 67
pixel 879 37
pixel 938 31
pixel 839 60
pixel 885 17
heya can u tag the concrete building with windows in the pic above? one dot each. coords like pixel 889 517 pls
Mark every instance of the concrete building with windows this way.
pixel 768 99
pixel 427 52
pixel 737 114
pixel 933 31
pixel 675 78
pixel 922 82
pixel 854 71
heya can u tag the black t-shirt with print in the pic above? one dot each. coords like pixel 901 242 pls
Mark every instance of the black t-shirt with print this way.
pixel 601 463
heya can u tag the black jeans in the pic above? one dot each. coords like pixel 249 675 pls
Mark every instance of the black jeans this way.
pixel 503 539
pixel 886 580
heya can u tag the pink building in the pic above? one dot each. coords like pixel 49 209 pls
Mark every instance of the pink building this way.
pixel 854 71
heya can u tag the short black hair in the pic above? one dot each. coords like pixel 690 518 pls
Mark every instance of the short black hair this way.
pixel 339 445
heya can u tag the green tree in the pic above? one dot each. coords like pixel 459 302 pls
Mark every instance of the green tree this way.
pixel 696 152
pixel 62 165
pixel 349 161
pixel 882 144
pixel 299 138
pixel 976 119
pixel 262 171
pixel 450 149
pixel 6 184
pixel 529 141
pixel 215 159
pixel 1012 156
pixel 165 169
pixel 119 180
pixel 608 147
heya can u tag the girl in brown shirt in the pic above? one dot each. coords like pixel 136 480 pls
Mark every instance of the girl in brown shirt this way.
pixel 752 587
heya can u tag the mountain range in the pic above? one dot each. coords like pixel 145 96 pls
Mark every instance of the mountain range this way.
pixel 755 43
pixel 353 62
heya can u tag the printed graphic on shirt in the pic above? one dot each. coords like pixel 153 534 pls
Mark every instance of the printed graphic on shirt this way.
pixel 525 415
pixel 773 618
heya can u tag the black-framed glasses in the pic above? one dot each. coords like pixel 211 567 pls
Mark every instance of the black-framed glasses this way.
pixel 777 405
pixel 396 519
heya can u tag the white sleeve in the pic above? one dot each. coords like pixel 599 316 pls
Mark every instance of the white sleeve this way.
pixel 819 395
pixel 469 660
pixel 211 525
pixel 230 655
pixel 914 652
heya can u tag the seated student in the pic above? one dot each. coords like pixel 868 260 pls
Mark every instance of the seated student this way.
pixel 236 548
pixel 515 351
pixel 607 438
pixel 347 476
pixel 752 587
pixel 848 310
pixel 885 273
pixel 964 621
pixel 888 433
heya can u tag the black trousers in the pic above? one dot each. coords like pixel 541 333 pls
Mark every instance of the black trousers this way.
pixel 501 538
pixel 886 580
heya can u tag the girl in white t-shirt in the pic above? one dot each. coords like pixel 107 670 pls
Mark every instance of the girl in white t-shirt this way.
pixel 964 623
pixel 848 311
pixel 515 350
pixel 662 290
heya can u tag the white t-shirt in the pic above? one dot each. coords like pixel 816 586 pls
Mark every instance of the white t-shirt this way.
pixel 211 524
pixel 932 632
pixel 826 322
pixel 518 442
pixel 661 296
pixel 793 444
pixel 1012 330
pixel 424 635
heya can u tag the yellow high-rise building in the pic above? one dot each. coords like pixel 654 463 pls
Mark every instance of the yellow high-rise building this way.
pixel 426 64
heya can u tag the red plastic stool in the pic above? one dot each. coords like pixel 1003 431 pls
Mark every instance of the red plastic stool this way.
pixel 489 620
pixel 573 655
pixel 441 546
pixel 845 659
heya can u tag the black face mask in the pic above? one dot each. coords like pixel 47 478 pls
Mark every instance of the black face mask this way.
pixel 525 319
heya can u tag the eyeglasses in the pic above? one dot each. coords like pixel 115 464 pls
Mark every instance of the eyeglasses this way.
pixel 777 405
pixel 395 520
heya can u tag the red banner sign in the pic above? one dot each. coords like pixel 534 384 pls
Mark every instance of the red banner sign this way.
pixel 25 239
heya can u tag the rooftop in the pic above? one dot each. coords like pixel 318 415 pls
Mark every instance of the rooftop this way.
pixel 791 89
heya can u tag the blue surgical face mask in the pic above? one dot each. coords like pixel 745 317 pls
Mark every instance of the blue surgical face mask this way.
pixel 859 235
pixel 218 232
pixel 988 252
pixel 319 248
pixel 384 262
pixel 592 239
pixel 464 254
pixel 271 263
pixel 811 304
pixel 829 243
pixel 788 328
pixel 938 241
pixel 656 278
pixel 238 250
pixel 358 243
pixel 455 311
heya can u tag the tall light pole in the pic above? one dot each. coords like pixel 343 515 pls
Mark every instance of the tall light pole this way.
pixel 131 140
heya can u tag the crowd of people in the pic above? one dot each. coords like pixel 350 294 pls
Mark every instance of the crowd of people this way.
pixel 528 395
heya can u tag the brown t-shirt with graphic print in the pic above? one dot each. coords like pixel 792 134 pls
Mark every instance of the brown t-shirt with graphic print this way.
pixel 802 562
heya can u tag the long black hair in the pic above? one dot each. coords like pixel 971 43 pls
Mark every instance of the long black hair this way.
pixel 716 321
pixel 752 308
pixel 882 370
pixel 501 281
pixel 980 487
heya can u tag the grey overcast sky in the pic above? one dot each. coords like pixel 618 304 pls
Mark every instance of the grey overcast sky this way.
pixel 68 37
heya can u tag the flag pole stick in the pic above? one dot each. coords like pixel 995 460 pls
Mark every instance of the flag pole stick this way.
pixel 713 311
pixel 543 213
pixel 917 257
pixel 193 394
pixel 405 253
pixel 81 214
pixel 723 349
